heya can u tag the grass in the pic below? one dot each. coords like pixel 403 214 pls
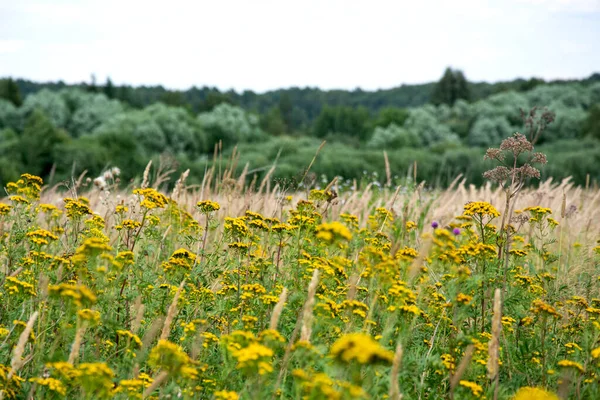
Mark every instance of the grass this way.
pixel 226 291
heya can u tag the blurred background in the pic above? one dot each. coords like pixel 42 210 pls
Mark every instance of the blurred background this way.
pixel 91 85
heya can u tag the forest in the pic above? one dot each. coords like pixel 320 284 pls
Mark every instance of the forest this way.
pixel 430 132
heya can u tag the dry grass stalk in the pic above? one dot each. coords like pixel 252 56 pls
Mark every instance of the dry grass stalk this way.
pixel 394 393
pixel 158 380
pixel 493 365
pixel 307 312
pixel 417 263
pixel 146 176
pixel 278 309
pixel 17 362
pixel 137 309
pixel 151 334
pixel 388 170
pixel 312 162
pixel 180 184
pixel 171 313
pixel 462 367
pixel 77 343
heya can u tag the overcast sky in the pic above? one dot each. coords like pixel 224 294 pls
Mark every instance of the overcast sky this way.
pixel 262 45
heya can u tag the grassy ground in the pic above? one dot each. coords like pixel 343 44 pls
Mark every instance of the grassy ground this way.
pixel 225 292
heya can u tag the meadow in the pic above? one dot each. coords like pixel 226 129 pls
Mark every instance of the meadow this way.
pixel 228 290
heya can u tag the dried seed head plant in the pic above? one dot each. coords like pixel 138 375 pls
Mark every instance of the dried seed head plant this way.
pixel 516 157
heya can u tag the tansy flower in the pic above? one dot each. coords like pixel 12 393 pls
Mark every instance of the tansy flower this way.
pixel 571 364
pixel 331 232
pixel 481 209
pixel 531 393
pixel 207 206
pixel 361 348
pixel 225 395
pixel 475 388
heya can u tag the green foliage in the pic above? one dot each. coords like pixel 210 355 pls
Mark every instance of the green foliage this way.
pixel 452 87
pixel 51 103
pixel 425 125
pixel 591 126
pixel 230 124
pixel 342 120
pixel 487 131
pixel 10 91
pixel 390 115
pixel 38 143
pixel 93 112
pixel 9 115
pixel 394 137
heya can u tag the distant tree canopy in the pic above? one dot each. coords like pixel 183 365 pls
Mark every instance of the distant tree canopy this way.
pixel 10 91
pixel 452 87
pixel 444 127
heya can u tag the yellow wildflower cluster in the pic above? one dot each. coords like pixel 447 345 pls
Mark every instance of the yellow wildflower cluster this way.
pixel 77 208
pixel 152 198
pixel 481 209
pixel 533 393
pixel 207 206
pixel 28 188
pixel 331 232
pixel 41 236
pixel 171 357
pixel 78 294
pixel 361 348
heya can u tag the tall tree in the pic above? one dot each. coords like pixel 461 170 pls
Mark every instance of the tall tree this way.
pixel 451 87
pixel 10 91
pixel 285 110
pixel 109 89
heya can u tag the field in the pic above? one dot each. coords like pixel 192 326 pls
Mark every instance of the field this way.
pixel 224 291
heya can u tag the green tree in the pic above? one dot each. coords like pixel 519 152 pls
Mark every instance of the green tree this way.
pixel 9 115
pixel 109 89
pixel 10 91
pixel 591 126
pixel 451 87
pixel 51 103
pixel 346 121
pixel 38 142
pixel 390 115
pixel 272 122
pixel 285 109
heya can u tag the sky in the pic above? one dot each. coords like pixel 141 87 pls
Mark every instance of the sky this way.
pixel 262 45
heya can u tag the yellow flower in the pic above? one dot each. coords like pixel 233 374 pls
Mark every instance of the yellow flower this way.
pixel 41 236
pixel 571 364
pixel 225 395
pixel 475 388
pixel 152 198
pixel 531 393
pixel 410 225
pixel 207 206
pixel 330 232
pixel 596 352
pixel 361 348
pixel 4 209
pixel 79 294
pixel 480 208
pixel 96 378
pixel 91 316
pixel 76 208
pixel 52 384
pixel 170 357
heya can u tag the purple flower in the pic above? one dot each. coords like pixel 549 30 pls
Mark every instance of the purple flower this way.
pixel 434 224
pixel 456 231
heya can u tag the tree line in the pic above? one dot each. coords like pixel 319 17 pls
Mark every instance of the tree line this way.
pixel 60 130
